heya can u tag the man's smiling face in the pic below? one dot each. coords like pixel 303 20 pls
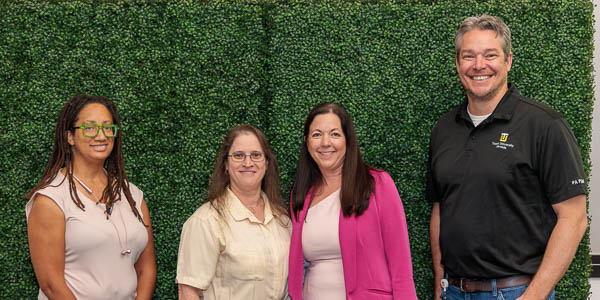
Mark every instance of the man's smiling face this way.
pixel 482 65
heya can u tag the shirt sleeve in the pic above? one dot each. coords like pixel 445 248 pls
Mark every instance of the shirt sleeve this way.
pixel 561 167
pixel 50 194
pixel 395 237
pixel 199 250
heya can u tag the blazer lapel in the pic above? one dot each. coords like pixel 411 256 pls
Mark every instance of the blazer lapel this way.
pixel 348 246
pixel 296 264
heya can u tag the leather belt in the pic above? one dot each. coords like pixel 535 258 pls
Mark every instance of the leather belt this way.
pixel 485 285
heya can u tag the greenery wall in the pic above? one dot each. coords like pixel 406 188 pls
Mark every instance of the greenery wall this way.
pixel 184 72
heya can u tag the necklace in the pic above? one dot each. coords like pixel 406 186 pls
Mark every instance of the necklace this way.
pixel 124 250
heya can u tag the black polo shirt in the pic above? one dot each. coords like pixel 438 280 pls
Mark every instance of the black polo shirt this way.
pixel 496 184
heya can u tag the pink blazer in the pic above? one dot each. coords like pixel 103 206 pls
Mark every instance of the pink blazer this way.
pixel 375 248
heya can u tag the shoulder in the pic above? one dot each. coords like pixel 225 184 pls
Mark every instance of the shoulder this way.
pixel 536 109
pixel 58 184
pixel 450 115
pixel 136 193
pixel 539 119
pixel 44 207
pixel 205 214
pixel 447 119
pixel 381 177
pixel 55 192
pixel 202 226
pixel 385 195
pixel 385 187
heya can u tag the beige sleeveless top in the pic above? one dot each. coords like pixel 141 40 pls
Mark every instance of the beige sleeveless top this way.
pixel 94 266
pixel 321 248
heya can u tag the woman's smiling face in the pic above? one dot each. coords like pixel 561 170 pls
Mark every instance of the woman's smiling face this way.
pixel 92 148
pixel 247 174
pixel 326 142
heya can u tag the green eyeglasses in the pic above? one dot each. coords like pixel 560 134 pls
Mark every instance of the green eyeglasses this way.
pixel 91 130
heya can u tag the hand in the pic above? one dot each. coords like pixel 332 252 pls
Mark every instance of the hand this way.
pixel 525 296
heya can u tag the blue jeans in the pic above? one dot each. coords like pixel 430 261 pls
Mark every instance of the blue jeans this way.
pixel 511 293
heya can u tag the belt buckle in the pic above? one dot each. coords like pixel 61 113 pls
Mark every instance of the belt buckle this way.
pixel 461 285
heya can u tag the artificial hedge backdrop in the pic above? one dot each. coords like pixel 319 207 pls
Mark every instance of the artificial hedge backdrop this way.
pixel 184 72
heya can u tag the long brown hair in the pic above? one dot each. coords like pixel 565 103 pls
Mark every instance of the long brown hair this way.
pixel 357 182
pixel 270 183
pixel 62 156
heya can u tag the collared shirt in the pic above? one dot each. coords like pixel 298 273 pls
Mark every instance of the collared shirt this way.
pixel 234 256
pixel 496 184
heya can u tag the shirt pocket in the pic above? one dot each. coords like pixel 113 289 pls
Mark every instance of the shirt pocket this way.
pixel 378 294
pixel 244 263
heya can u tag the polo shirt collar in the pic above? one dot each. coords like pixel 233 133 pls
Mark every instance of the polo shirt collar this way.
pixel 239 212
pixel 504 110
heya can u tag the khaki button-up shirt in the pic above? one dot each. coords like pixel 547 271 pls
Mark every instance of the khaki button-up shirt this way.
pixel 234 256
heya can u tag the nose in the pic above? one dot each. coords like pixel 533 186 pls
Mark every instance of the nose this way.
pixel 100 136
pixel 247 161
pixel 479 62
pixel 325 141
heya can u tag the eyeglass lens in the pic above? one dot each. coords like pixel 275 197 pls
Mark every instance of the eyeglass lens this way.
pixel 91 130
pixel 241 156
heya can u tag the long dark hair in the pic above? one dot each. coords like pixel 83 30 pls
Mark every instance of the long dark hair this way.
pixel 357 182
pixel 62 156
pixel 270 183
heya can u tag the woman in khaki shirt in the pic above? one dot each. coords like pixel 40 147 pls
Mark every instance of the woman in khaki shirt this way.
pixel 235 246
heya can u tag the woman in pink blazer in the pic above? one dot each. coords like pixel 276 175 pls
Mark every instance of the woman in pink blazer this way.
pixel 349 237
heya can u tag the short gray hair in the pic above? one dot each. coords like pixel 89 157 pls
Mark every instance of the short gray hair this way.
pixel 484 22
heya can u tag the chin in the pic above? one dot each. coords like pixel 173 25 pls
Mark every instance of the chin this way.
pixel 101 156
pixel 328 167
pixel 481 95
pixel 249 182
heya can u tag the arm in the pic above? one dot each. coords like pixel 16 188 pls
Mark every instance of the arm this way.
pixel 200 248
pixel 564 240
pixel 46 234
pixel 395 237
pixel 436 252
pixel 187 292
pixel 434 228
pixel 145 266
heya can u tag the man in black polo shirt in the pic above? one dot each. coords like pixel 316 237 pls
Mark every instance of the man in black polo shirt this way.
pixel 506 181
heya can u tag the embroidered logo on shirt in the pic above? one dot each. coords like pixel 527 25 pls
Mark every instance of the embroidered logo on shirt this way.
pixel 502 144
pixel 578 181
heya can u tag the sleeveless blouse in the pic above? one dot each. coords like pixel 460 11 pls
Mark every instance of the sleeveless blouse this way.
pixel 321 248
pixel 94 266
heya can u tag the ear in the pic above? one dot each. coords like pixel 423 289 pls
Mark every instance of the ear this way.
pixel 457 64
pixel 509 62
pixel 70 138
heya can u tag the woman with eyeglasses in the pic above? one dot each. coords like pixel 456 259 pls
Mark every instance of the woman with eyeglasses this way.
pixel 348 221
pixel 235 246
pixel 88 227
